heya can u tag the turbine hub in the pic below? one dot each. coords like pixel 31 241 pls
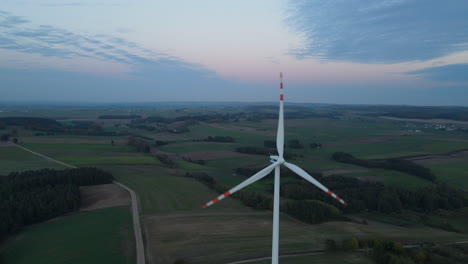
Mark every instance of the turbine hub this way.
pixel 274 158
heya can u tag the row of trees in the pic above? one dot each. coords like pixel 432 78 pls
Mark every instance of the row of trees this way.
pixel 209 118
pixel 264 151
pixel 52 127
pixel 293 143
pixel 256 150
pixel 119 116
pixel 33 123
pixel 394 252
pixel 34 196
pixel 310 211
pixel 167 161
pixel 220 139
pixel 139 144
pixel 397 164
pixel 188 159
pixel 373 196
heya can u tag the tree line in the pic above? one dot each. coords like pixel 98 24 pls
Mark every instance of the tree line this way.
pixel 394 252
pixel 119 116
pixel 209 118
pixel 139 144
pixel 264 151
pixel 397 164
pixel 220 139
pixel 52 127
pixel 34 196
pixel 309 211
pixel 374 196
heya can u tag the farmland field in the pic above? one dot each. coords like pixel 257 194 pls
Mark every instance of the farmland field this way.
pixel 99 236
pixel 16 159
pixel 174 224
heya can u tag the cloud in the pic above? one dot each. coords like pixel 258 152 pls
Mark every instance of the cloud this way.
pixel 152 75
pixel 81 3
pixel 16 34
pixel 7 20
pixel 388 31
pixel 447 73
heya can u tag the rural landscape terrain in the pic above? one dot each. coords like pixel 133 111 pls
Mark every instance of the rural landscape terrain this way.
pixel 402 170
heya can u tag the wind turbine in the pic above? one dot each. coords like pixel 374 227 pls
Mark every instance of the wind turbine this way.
pixel 277 162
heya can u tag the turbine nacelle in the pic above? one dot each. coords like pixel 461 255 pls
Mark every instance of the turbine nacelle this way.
pixel 275 158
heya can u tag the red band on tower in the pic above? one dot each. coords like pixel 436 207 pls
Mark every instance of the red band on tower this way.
pixel 281 97
pixel 281 85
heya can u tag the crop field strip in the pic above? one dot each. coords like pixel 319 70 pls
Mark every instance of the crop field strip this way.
pixel 241 235
pixel 16 159
pixel 172 202
pixel 108 239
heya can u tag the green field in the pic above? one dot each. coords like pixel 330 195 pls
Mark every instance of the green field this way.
pixel 118 160
pixel 394 178
pixel 160 192
pixel 99 236
pixel 453 173
pixel 174 224
pixel 198 236
pixel 15 159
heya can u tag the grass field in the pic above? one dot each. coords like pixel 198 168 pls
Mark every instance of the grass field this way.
pixel 160 191
pixel 99 236
pixel 15 159
pixel 176 227
pixel 394 178
pixel 119 160
pixel 454 173
pixel 199 236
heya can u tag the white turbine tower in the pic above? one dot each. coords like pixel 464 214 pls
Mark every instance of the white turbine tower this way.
pixel 277 162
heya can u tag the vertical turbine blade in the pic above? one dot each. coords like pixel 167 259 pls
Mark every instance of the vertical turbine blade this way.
pixel 280 134
pixel 311 179
pixel 257 176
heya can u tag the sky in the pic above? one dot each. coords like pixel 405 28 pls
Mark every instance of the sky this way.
pixel 412 52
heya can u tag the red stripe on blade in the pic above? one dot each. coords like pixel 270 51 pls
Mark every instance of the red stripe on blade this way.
pixel 281 85
pixel 330 192
pixel 281 97
pixel 205 206
pixel 226 194
pixel 338 198
pixel 216 200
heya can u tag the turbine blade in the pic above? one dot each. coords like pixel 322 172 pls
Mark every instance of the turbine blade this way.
pixel 280 133
pixel 257 176
pixel 311 179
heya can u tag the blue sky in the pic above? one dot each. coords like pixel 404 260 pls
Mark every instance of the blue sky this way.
pixel 334 51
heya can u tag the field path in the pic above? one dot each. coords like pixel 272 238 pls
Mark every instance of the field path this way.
pixel 140 249
pixel 136 225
